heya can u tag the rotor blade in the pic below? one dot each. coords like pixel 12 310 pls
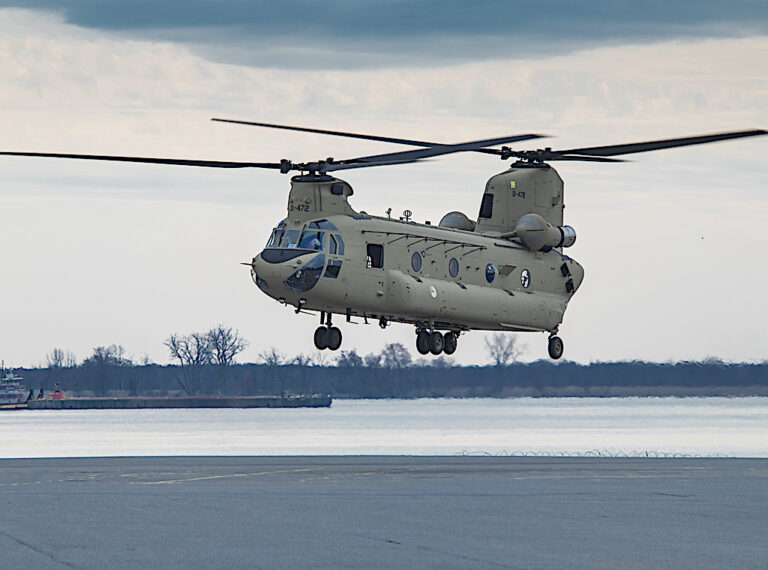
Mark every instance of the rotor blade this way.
pixel 333 133
pixel 349 165
pixel 149 160
pixel 413 155
pixel 584 158
pixel 614 150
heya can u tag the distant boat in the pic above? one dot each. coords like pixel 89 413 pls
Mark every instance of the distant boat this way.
pixel 13 394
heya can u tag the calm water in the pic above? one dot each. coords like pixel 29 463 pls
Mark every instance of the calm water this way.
pixel 733 427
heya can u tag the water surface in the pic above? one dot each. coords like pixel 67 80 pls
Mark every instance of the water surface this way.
pixel 730 427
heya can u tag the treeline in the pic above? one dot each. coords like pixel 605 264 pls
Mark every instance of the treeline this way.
pixel 392 380
pixel 204 364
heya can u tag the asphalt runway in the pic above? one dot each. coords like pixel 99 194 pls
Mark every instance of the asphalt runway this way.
pixel 391 512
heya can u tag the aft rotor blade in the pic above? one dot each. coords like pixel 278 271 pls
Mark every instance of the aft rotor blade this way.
pixel 151 160
pixel 614 150
pixel 328 132
pixel 414 155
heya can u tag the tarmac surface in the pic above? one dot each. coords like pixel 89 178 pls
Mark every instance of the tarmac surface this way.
pixel 391 512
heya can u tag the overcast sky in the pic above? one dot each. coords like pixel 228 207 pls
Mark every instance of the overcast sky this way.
pixel 94 254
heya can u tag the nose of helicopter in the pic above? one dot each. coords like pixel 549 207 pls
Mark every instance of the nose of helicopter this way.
pixel 272 268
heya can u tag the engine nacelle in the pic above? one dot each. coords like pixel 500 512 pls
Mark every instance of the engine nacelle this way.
pixel 457 221
pixel 539 235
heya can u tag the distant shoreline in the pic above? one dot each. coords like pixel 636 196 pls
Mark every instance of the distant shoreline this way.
pixel 536 379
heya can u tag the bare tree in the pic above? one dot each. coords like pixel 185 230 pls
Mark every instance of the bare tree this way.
pixel 504 349
pixel 70 360
pixel 301 360
pixel 318 358
pixel 271 357
pixel 55 359
pixel 372 360
pixel 395 355
pixel 107 368
pixel 349 359
pixel 442 362
pixel 225 344
pixel 273 360
pixel 55 364
pixel 193 353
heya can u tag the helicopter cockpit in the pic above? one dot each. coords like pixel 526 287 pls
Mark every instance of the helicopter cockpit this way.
pixel 315 236
pixel 318 241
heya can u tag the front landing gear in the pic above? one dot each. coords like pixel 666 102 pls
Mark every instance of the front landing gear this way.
pixel 555 347
pixel 327 336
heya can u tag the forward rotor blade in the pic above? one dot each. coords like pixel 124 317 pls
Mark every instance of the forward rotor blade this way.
pixel 614 150
pixel 151 160
pixel 577 158
pixel 333 133
pixel 349 165
pixel 414 155
pixel 362 136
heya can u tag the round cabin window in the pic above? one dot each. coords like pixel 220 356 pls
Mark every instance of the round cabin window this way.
pixel 453 267
pixel 416 261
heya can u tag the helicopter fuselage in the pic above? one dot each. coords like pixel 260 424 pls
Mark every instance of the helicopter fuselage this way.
pixel 401 271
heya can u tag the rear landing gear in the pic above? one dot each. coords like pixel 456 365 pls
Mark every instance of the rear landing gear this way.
pixel 555 347
pixel 435 342
pixel 422 341
pixel 450 342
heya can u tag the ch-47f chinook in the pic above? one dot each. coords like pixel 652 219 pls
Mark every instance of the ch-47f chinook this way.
pixel 504 272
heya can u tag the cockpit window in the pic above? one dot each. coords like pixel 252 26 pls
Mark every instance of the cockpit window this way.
pixel 321 225
pixel 283 238
pixel 290 238
pixel 275 238
pixel 312 239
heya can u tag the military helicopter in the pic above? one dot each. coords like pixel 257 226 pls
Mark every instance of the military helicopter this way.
pixel 506 271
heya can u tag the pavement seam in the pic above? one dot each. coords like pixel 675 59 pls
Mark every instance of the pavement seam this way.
pixel 37 550
pixel 209 477
pixel 429 549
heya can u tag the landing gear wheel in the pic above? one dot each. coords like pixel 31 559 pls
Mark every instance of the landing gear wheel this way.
pixel 334 338
pixel 321 338
pixel 422 342
pixel 450 340
pixel 555 347
pixel 435 343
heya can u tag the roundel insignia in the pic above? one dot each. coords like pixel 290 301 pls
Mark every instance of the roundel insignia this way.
pixel 490 272
pixel 433 292
pixel 525 278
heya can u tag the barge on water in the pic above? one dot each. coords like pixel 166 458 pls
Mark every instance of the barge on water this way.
pixel 315 401
pixel 13 394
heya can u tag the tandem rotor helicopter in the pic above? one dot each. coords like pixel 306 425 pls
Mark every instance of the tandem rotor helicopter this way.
pixel 506 271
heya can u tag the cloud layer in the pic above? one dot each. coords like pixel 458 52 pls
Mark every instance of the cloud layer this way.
pixel 376 33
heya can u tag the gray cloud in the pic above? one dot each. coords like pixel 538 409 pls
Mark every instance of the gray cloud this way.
pixel 376 33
